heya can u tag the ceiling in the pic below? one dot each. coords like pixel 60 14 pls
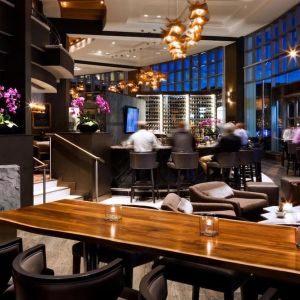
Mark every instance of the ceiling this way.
pixel 228 18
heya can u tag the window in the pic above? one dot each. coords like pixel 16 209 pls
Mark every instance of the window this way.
pixel 258 54
pixel 187 63
pixel 258 72
pixel 268 51
pixel 258 40
pixel 178 65
pixel 203 58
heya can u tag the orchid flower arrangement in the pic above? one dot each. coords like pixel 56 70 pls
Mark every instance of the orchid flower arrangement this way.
pixel 209 125
pixel 9 103
pixel 78 109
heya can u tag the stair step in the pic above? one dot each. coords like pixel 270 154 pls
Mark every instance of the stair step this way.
pixel 38 187
pixel 53 194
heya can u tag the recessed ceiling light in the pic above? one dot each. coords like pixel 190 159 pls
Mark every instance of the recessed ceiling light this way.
pixel 107 53
pixel 146 16
pixel 127 55
pixel 101 2
pixel 77 68
pixel 165 48
pixel 99 51
pixel 113 43
pixel 158 16
pixel 134 56
pixel 158 53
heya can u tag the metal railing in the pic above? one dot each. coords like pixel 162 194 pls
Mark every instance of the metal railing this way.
pixel 96 158
pixel 42 166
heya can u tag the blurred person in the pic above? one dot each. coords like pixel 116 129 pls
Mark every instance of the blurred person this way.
pixel 143 140
pixel 242 133
pixel 183 140
pixel 289 133
pixel 295 135
pixel 229 142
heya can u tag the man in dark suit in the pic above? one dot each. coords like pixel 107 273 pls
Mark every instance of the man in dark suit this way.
pixel 228 143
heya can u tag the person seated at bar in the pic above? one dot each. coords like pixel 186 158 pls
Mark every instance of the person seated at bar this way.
pixel 143 140
pixel 288 133
pixel 183 140
pixel 242 133
pixel 229 142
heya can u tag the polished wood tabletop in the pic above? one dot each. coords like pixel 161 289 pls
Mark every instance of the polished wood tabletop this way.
pixel 264 249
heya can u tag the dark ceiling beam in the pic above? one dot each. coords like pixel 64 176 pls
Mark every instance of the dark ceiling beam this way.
pixel 94 63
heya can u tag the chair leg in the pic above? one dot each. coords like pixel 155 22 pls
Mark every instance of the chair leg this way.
pixel 132 184
pixel 76 264
pixel 128 276
pixel 195 292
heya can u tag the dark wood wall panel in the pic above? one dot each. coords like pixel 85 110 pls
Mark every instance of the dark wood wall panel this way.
pixel 5 43
pixel 43 75
pixel 7 19
pixel 40 33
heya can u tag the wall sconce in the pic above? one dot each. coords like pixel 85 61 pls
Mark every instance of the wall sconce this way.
pixel 230 97
pixel 37 107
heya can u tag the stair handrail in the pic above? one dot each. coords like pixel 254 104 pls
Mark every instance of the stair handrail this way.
pixel 96 158
pixel 43 166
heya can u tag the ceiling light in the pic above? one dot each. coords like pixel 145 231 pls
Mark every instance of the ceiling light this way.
pixel 293 53
pixel 158 16
pixel 134 56
pixel 99 51
pixel 64 3
pixel 77 68
pixel 107 53
pixel 146 16
pixel 101 2
pixel 113 43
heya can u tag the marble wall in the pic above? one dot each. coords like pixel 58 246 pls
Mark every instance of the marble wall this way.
pixel 9 187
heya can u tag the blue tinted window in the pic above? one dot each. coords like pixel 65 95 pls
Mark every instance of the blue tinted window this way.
pixel 275 66
pixel 186 75
pixel 284 43
pixel 283 64
pixel 283 26
pixel 187 86
pixel 212 82
pixel 220 82
pixel 249 58
pixel 249 74
pixel 178 65
pixel 195 59
pixel 186 63
pixel 178 87
pixel 163 86
pixel 292 63
pixel 195 86
pixel 276 47
pixel 258 72
pixel 203 83
pixel 293 76
pixel 203 58
pixel 171 87
pixel 293 21
pixel 258 40
pixel 293 38
pixel 258 54
pixel 268 51
pixel 171 77
pixel 268 35
pixel 276 31
pixel 268 69
pixel 164 68
pixel 220 54
pixel 155 67
pixel 194 73
pixel 178 76
pixel 220 67
pixel 212 69
pixel 171 66
pixel 203 71
pixel 249 42
pixel 212 56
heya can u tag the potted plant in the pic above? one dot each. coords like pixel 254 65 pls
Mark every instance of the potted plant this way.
pixel 9 104
pixel 86 122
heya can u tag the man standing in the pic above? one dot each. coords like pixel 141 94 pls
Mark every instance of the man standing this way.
pixel 143 140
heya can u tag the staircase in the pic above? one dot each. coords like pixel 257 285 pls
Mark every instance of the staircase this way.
pixel 53 192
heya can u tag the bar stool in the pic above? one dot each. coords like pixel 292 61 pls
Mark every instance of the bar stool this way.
pixel 182 161
pixel 257 156
pixel 142 161
pixel 245 164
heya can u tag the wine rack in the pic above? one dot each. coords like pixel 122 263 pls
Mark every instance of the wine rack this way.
pixel 174 111
pixel 202 107
pixel 153 111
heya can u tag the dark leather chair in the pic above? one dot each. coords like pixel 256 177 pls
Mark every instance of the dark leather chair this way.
pixel 8 251
pixel 31 283
pixel 153 285
pixel 182 161
pixel 142 161
pixel 248 205
pixel 173 202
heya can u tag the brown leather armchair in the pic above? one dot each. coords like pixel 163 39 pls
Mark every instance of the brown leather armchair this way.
pixel 245 204
pixel 173 202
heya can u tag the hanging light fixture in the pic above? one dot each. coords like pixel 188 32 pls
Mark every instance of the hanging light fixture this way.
pixel 180 37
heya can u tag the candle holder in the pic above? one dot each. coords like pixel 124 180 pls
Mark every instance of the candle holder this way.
pixel 209 225
pixel 113 212
pixel 288 207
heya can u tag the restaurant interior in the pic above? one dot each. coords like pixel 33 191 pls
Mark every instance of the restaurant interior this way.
pixel 150 150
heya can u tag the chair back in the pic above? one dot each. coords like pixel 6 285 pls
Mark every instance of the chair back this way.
pixel 173 202
pixel 292 148
pixel 245 157
pixel 153 286
pixel 142 160
pixel 298 154
pixel 185 161
pixel 104 283
pixel 8 251
pixel 227 160
pixel 257 155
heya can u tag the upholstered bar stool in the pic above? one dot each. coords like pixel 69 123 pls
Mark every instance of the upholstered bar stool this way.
pixel 257 156
pixel 182 161
pixel 142 161
pixel 245 165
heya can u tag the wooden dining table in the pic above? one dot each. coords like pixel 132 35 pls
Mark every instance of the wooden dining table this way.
pixel 265 250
